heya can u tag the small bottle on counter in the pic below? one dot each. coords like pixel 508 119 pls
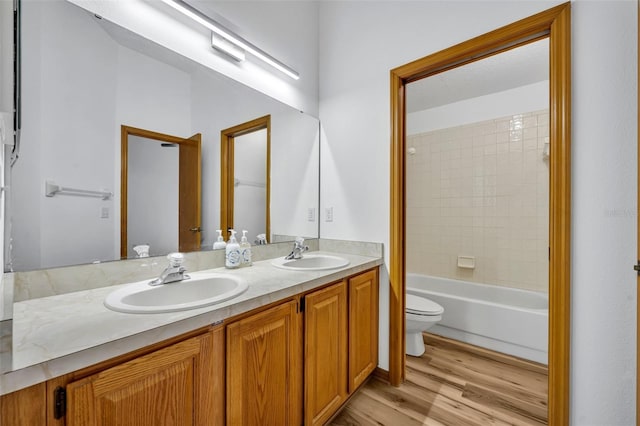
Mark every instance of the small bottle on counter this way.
pixel 245 249
pixel 232 253
pixel 219 244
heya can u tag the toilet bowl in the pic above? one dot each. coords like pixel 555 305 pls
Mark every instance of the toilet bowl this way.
pixel 421 314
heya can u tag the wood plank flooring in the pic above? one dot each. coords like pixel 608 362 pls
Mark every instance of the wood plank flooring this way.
pixel 454 384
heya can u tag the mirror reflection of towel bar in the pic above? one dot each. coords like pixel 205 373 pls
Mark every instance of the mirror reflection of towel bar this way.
pixel 238 182
pixel 51 189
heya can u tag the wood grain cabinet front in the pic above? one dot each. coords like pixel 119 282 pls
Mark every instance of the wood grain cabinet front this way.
pixel 341 343
pixel 363 327
pixel 172 386
pixel 264 368
pixel 325 368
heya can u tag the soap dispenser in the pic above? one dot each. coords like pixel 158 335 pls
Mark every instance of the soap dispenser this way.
pixel 232 253
pixel 219 244
pixel 245 249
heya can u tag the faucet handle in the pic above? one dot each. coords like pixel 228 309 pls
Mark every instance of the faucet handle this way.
pixel 175 259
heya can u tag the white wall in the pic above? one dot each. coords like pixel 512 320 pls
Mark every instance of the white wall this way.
pixel 604 185
pixel 361 41
pixel 532 97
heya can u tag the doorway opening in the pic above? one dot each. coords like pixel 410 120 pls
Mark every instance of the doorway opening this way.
pixel 245 181
pixel 160 190
pixel 553 24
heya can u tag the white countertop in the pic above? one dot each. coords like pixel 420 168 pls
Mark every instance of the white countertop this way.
pixel 59 334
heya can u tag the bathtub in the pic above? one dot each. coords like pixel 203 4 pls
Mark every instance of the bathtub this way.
pixel 502 319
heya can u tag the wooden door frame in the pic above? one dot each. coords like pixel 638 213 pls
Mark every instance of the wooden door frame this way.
pixel 227 138
pixel 125 132
pixel 554 23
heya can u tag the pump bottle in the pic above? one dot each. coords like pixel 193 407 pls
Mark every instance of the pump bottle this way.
pixel 219 244
pixel 245 249
pixel 232 253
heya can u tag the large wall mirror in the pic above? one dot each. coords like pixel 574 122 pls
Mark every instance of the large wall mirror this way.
pixel 83 78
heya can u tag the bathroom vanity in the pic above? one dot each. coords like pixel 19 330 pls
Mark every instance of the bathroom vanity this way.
pixel 285 353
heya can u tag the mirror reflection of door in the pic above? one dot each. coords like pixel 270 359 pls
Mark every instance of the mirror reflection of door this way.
pixel 245 179
pixel 161 195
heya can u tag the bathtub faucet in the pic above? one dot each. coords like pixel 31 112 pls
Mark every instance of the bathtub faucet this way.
pixel 298 249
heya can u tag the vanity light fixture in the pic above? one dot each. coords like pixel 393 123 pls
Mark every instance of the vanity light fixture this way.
pixel 226 47
pixel 240 44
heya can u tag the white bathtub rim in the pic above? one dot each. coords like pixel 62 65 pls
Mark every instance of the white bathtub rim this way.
pixel 420 292
pixel 519 351
pixel 491 287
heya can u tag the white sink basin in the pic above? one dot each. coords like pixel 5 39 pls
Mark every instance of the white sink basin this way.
pixel 202 289
pixel 311 262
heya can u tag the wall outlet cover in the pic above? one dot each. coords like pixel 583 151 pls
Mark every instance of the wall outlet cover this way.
pixel 328 214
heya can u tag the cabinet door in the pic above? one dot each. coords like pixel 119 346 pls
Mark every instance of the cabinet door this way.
pixel 171 386
pixel 325 371
pixel 363 327
pixel 264 368
pixel 25 407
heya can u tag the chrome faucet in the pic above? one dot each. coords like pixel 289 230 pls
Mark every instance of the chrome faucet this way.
pixel 298 249
pixel 174 272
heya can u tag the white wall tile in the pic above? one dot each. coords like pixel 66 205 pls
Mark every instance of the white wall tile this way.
pixel 481 190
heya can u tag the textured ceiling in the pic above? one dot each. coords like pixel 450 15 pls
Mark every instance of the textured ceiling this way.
pixel 517 67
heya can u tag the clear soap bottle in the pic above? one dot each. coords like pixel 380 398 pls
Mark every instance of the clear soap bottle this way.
pixel 245 249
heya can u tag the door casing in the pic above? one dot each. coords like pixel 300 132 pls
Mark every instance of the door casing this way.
pixel 189 187
pixel 227 137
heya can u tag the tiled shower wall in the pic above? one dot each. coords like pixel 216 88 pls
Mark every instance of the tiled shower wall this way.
pixel 481 190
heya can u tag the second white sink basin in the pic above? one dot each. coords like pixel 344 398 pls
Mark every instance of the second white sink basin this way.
pixel 202 289
pixel 311 262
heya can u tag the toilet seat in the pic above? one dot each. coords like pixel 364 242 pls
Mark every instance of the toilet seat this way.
pixel 417 305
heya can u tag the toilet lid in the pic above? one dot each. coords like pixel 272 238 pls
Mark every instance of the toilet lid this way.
pixel 420 306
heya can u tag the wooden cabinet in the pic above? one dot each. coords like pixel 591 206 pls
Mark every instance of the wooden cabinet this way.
pixel 264 368
pixel 363 327
pixel 172 386
pixel 325 373
pixel 341 343
pixel 253 371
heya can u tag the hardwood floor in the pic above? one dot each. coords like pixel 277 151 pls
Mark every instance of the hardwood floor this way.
pixel 454 384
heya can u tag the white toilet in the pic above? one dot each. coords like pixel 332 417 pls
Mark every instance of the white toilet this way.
pixel 421 314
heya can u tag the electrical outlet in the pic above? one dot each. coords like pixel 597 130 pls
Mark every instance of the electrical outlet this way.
pixel 328 214
pixel 311 214
pixel 104 213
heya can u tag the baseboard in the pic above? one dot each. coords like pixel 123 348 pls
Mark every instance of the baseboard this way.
pixel 381 374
